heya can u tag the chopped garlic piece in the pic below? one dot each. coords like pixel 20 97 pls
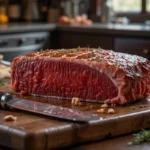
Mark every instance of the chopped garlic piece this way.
pixel 104 106
pixel 101 110
pixel 10 118
pixel 111 111
pixel 75 101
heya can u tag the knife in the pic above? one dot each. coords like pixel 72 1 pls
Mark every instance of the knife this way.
pixel 7 101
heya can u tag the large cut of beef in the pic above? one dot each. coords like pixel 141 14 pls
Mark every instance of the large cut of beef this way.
pixel 95 75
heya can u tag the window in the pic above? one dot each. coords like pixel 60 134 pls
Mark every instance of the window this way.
pixel 148 6
pixel 135 10
pixel 127 5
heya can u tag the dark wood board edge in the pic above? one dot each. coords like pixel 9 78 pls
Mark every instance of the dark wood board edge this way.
pixel 50 138
pixel 11 137
pixel 73 133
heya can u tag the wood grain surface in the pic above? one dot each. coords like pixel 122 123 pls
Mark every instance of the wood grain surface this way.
pixel 32 131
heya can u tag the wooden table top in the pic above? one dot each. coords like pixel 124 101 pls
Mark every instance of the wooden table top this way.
pixel 116 143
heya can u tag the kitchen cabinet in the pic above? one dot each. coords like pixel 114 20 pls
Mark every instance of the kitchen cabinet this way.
pixel 137 46
pixel 75 39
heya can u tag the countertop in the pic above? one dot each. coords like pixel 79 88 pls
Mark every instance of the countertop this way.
pixel 113 29
pixel 25 27
pixel 96 28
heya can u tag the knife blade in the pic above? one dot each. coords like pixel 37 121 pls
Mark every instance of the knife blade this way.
pixel 8 101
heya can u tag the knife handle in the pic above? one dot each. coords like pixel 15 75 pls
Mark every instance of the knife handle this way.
pixel 4 98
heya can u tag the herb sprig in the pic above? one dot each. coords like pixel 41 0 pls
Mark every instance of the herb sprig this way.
pixel 2 82
pixel 142 106
pixel 132 107
pixel 34 120
pixel 21 127
pixel 141 137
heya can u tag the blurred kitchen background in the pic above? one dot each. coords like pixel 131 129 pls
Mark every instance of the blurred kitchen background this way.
pixel 31 25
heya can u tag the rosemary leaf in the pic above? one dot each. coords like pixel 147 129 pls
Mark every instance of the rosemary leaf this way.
pixel 2 82
pixel 141 137
pixel 132 107
pixel 71 50
pixel 79 47
pixel 142 106
pixel 34 120
pixel 21 127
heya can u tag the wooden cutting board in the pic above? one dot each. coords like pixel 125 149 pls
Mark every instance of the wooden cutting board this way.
pixel 31 131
